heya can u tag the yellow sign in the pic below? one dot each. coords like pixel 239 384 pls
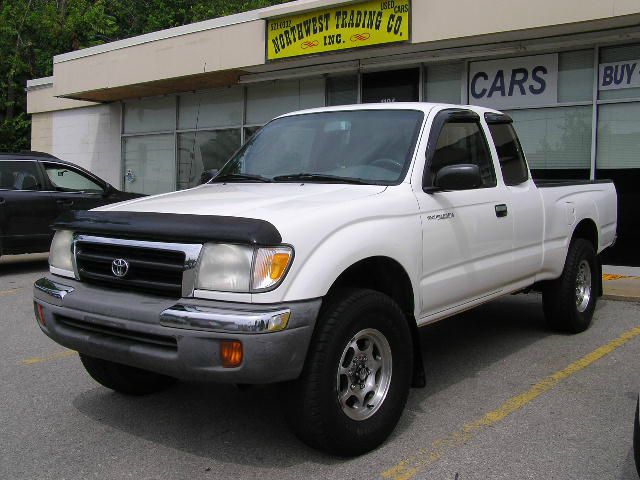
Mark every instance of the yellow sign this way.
pixel 348 26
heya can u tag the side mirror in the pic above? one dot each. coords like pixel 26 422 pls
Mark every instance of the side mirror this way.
pixel 464 176
pixel 208 175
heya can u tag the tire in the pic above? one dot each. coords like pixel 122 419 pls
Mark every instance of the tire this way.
pixel 362 350
pixel 569 301
pixel 123 378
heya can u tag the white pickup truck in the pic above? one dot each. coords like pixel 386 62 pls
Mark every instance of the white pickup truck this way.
pixel 314 256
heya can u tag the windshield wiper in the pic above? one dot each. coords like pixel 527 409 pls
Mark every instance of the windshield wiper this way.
pixel 319 177
pixel 241 176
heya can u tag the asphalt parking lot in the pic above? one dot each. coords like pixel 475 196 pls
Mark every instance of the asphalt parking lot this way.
pixel 506 399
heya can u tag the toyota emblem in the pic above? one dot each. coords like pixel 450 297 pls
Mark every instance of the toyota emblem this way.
pixel 119 267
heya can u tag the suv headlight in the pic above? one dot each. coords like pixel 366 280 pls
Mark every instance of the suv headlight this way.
pixel 242 269
pixel 60 253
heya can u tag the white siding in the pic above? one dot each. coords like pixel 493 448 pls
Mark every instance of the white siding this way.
pixel 89 137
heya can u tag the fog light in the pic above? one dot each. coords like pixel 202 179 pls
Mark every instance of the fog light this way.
pixel 231 353
pixel 39 313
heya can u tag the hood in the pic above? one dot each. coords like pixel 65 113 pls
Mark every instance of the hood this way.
pixel 266 201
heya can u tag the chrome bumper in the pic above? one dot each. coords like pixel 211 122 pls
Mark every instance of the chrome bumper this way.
pixel 198 317
pixel 212 319
pixel 126 327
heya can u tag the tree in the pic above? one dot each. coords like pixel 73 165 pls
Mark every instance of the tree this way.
pixel 33 31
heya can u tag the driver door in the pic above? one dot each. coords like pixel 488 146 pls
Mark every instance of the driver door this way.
pixel 467 238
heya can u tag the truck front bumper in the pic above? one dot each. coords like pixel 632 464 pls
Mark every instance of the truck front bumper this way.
pixel 177 337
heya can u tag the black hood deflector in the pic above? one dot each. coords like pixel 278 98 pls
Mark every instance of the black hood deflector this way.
pixel 170 227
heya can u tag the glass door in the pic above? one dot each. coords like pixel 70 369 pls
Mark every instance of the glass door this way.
pixel 149 164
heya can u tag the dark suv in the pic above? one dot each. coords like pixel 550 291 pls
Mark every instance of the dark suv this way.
pixel 35 188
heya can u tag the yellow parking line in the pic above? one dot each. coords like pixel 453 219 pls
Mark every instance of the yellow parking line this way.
pixel 613 276
pixel 424 457
pixel 6 293
pixel 55 356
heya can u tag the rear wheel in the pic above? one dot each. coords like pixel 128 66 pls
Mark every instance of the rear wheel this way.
pixel 357 375
pixel 123 378
pixel 569 301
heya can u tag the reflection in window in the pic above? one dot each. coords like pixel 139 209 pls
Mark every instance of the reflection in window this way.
pixel 149 164
pixel 201 151
pixel 342 90
pixel 150 115
pixel 442 83
pixel 555 138
pixel 65 179
pixel 19 176
pixel 619 136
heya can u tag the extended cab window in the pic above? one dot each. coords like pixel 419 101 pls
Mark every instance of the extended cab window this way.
pixel 463 143
pixel 512 163
pixel 66 179
pixel 19 176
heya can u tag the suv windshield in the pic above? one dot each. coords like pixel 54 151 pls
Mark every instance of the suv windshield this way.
pixel 361 146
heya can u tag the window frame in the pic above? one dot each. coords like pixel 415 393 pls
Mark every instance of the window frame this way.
pixel 442 118
pixel 497 119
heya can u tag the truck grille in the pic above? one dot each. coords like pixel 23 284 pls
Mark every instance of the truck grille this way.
pixel 149 270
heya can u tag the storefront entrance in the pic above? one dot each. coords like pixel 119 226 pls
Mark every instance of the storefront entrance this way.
pixel 391 86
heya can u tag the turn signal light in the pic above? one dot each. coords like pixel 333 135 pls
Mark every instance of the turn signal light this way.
pixel 39 313
pixel 231 353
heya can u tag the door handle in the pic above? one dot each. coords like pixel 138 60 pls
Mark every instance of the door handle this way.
pixel 65 203
pixel 501 210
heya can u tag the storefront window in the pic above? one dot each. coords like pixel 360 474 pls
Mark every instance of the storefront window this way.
pixel 442 83
pixel 149 164
pixel 619 143
pixel 218 108
pixel 575 76
pixel 152 115
pixel 204 150
pixel 342 90
pixel 556 139
pixel 620 54
pixel 266 101
pixel 619 136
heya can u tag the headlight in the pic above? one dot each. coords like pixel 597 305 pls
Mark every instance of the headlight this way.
pixel 242 269
pixel 60 254
pixel 225 268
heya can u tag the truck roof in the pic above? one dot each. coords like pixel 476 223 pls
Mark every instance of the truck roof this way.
pixel 425 107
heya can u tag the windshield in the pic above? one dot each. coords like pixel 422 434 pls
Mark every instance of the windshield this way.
pixel 361 146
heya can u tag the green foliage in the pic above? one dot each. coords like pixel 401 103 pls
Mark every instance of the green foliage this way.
pixel 33 31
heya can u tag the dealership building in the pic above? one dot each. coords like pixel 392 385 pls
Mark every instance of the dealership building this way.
pixel 150 113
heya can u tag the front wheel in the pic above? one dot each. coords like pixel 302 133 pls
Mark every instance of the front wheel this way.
pixel 356 379
pixel 123 378
pixel 569 301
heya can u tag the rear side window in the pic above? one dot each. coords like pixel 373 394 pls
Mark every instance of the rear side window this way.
pixel 460 143
pixel 512 163
pixel 22 175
